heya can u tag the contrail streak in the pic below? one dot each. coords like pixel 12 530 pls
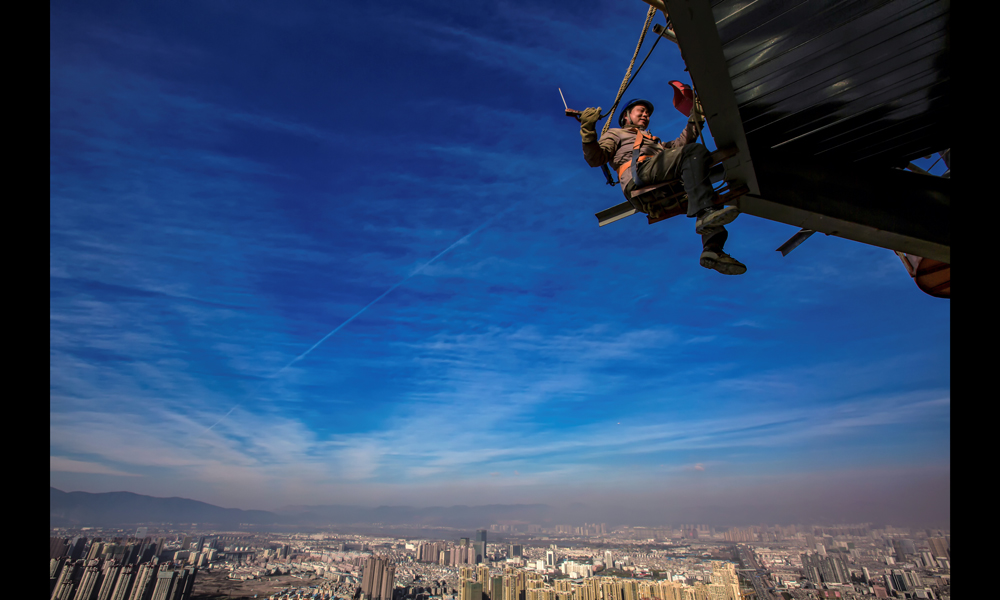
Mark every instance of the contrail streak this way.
pixel 485 224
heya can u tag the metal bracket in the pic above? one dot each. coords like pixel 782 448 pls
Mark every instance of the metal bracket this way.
pixel 794 241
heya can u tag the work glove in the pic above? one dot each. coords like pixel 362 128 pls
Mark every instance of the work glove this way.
pixel 697 114
pixel 588 124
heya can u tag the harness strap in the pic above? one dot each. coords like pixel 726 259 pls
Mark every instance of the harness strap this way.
pixel 607 174
pixel 633 163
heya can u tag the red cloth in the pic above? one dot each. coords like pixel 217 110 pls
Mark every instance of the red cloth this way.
pixel 683 97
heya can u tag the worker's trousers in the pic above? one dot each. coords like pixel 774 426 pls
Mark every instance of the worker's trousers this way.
pixel 690 164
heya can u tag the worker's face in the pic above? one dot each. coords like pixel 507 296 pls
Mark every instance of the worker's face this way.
pixel 639 115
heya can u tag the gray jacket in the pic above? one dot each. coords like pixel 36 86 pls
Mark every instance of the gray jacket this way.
pixel 615 146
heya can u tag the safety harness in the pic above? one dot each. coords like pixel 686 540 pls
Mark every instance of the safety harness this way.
pixel 636 158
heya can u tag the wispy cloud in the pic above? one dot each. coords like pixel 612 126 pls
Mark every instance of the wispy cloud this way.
pixel 67 465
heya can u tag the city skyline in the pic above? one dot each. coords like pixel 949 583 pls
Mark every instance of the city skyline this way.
pixel 253 307
pixel 851 562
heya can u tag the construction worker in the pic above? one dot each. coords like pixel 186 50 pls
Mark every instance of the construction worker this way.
pixel 659 161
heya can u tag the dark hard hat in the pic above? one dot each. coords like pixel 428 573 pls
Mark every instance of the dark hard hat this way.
pixel 632 103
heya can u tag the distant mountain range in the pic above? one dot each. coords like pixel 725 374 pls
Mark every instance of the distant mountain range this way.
pixel 120 508
pixel 69 509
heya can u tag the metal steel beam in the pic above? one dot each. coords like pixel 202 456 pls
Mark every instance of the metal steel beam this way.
pixel 891 208
pixel 701 49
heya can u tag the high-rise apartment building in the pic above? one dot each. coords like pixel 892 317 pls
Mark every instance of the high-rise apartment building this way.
pixel 496 587
pixel 124 584
pixel 378 579
pixel 166 579
pixel 471 590
pixel 810 568
pixel 111 572
pixel 142 589
pixel 77 547
pixel 58 547
pixel 483 576
pixel 835 571
pixel 96 547
pixel 89 582
pixel 65 584
pixel 939 547
pixel 511 591
pixel 184 583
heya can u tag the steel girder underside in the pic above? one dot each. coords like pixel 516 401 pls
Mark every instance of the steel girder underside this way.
pixel 826 100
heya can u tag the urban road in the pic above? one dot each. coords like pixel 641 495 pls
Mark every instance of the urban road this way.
pixel 757 576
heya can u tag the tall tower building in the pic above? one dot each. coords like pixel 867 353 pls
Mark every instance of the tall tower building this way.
pixel 66 582
pixel 472 590
pixel 480 545
pixel 58 547
pixel 95 550
pixel 77 547
pixel 496 587
pixel 164 588
pixel 388 582
pixel 111 572
pixel 939 548
pixel 124 584
pixel 378 579
pixel 810 568
pixel 89 582
pixel 516 550
pixel 550 558
pixel 142 589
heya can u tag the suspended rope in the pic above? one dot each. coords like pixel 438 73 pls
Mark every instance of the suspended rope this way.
pixel 628 73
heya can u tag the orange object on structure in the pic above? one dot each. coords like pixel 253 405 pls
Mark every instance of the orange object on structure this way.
pixel 931 276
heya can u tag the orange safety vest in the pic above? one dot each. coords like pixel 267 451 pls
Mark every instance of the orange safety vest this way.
pixel 635 153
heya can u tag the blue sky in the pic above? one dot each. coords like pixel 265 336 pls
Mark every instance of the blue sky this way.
pixel 231 182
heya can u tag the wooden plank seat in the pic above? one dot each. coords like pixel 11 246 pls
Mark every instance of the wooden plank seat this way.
pixel 667 199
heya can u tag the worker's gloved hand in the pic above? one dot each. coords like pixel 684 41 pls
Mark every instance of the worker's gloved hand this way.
pixel 588 124
pixel 697 113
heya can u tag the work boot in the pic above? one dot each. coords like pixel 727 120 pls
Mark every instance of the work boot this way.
pixel 712 258
pixel 712 218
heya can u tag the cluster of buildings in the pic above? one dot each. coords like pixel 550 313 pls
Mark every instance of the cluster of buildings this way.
pixel 776 563
pixel 134 568
pixel 107 579
pixel 863 564
pixel 518 578
pixel 512 583
pixel 465 552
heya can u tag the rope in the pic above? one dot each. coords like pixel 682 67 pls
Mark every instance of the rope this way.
pixel 625 81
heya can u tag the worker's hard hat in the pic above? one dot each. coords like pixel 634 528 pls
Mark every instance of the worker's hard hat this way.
pixel 632 103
